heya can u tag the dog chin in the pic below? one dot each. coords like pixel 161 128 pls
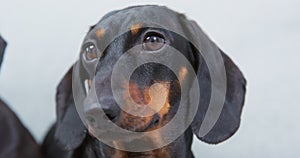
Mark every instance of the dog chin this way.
pixel 138 124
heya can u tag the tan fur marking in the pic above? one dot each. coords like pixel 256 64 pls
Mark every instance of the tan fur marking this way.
pixel 118 153
pixel 135 28
pixel 100 32
pixel 90 83
pixel 159 94
pixel 182 74
pixel 156 138
pixel 152 100
pixel 151 96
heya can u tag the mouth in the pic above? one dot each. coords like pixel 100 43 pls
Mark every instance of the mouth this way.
pixel 139 124
pixel 98 125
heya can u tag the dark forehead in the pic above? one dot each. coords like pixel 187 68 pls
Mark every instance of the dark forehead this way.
pixel 141 13
pixel 121 21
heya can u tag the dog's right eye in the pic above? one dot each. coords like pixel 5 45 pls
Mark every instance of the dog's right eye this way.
pixel 90 52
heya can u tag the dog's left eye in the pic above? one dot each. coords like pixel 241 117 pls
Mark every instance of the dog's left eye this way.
pixel 153 41
pixel 90 52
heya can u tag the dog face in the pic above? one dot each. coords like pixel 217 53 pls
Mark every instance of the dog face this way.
pixel 139 33
pixel 149 85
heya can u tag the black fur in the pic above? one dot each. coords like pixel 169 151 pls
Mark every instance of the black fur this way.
pixel 15 140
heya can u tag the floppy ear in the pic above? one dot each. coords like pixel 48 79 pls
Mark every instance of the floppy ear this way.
pixel 70 131
pixel 234 90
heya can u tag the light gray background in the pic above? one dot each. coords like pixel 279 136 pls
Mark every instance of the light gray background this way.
pixel 261 36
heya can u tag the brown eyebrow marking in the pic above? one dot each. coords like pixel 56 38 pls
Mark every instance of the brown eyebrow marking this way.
pixel 100 32
pixel 135 28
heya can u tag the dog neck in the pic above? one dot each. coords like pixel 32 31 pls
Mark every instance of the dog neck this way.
pixel 181 147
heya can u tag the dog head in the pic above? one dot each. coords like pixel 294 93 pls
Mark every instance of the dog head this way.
pixel 147 38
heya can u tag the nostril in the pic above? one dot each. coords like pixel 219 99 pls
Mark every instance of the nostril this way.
pixel 111 117
pixel 156 119
pixel 110 108
pixel 110 113
pixel 156 122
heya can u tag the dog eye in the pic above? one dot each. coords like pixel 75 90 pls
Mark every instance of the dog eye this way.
pixel 153 41
pixel 90 52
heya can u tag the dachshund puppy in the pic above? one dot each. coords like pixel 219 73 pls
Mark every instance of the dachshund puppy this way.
pixel 178 74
